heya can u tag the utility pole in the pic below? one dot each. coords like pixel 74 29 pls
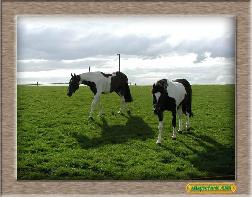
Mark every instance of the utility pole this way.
pixel 119 62
pixel 89 69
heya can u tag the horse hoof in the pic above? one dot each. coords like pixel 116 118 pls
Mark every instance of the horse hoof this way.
pixel 129 112
pixel 90 118
pixel 119 112
pixel 179 131
pixel 158 143
pixel 174 137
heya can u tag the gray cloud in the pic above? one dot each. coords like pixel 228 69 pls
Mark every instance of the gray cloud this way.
pixel 96 47
pixel 196 75
pixel 58 44
pixel 219 47
pixel 57 64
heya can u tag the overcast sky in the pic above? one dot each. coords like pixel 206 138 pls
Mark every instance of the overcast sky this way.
pixel 200 49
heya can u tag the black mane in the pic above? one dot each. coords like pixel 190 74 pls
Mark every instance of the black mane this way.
pixel 91 85
pixel 106 75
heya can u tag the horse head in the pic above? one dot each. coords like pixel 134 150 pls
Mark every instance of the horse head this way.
pixel 73 84
pixel 159 89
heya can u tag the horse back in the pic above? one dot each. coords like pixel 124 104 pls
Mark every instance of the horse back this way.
pixel 186 84
pixel 97 81
pixel 177 91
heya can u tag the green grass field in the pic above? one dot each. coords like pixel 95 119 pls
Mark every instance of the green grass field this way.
pixel 55 140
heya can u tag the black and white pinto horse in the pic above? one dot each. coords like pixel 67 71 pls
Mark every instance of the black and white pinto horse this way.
pixel 101 83
pixel 174 96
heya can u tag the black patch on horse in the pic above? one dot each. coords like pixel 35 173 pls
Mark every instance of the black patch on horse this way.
pixel 165 103
pixel 91 85
pixel 119 84
pixel 160 86
pixel 163 84
pixel 106 75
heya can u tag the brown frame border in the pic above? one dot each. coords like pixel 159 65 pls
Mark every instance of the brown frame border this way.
pixel 11 8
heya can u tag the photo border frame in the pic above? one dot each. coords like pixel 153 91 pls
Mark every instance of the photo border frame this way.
pixel 11 8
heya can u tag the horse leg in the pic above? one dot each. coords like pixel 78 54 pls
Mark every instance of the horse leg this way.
pixel 101 108
pixel 174 124
pixel 160 127
pixel 180 119
pixel 93 104
pixel 123 105
pixel 126 107
pixel 187 121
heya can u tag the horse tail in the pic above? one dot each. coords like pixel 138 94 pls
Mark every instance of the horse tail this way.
pixel 127 95
pixel 189 102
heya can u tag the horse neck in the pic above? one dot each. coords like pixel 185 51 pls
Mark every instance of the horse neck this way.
pixel 84 76
pixel 170 84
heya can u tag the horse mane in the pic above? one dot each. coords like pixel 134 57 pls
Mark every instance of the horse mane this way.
pixel 106 75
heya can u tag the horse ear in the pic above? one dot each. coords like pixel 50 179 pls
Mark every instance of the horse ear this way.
pixel 74 74
pixel 165 85
pixel 71 74
pixel 153 88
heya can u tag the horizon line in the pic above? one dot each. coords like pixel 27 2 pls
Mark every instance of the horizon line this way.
pixel 63 84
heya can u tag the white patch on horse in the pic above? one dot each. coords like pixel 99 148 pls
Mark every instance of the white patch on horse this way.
pixel 157 95
pixel 160 129
pixel 102 83
pixel 177 91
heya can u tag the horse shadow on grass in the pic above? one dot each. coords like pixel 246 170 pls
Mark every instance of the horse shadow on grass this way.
pixel 135 128
pixel 207 155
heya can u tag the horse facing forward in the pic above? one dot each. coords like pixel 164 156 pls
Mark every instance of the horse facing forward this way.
pixel 174 96
pixel 101 83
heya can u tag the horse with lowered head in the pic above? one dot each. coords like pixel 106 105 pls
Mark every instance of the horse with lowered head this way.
pixel 101 83
pixel 174 96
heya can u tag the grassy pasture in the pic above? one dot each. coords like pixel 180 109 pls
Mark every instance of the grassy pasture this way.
pixel 55 140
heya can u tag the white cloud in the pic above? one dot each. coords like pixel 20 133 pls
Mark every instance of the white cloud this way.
pixel 147 71
pixel 32 61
